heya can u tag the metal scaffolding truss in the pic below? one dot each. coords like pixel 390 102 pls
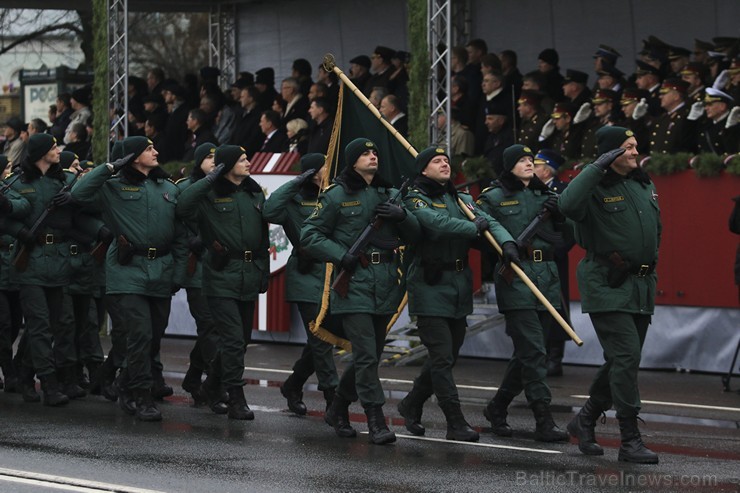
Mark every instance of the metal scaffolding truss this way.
pixel 222 41
pixel 440 20
pixel 118 66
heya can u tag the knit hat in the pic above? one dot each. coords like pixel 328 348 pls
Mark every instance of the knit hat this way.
pixel 134 145
pixel 39 145
pixel 609 138
pixel 202 151
pixel 265 76
pixel 514 153
pixel 549 56
pixel 82 96
pixel 314 160
pixel 423 158
pixel 66 158
pixel 228 155
pixel 354 150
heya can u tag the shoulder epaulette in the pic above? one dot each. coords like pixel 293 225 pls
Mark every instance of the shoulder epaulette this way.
pixel 182 179
pixel 331 185
pixel 487 189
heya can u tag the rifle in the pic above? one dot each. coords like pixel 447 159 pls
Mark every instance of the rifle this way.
pixel 7 186
pixel 535 229
pixel 20 262
pixel 341 282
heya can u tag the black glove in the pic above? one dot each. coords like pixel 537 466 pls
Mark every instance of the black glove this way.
pixel 481 224
pixel 551 204
pixel 606 159
pixel 61 199
pixel 196 245
pixel 120 163
pixel 349 262
pixel 25 236
pixel 265 283
pixel 511 254
pixel 105 235
pixel 304 177
pixel 215 173
pixel 5 205
pixel 390 212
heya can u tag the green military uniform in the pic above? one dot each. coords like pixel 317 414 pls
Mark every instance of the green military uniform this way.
pixel 515 204
pixel 142 263
pixel 230 222
pixel 440 291
pixel 617 222
pixel 204 351
pixel 343 212
pixel 289 206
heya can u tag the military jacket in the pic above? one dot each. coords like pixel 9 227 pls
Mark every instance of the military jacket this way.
pixel 191 229
pixel 514 207
pixel 142 209
pixel 232 216
pixel 714 137
pixel 86 273
pixel 48 262
pixel 673 132
pixel 440 283
pixel 343 212
pixel 567 143
pixel 589 143
pixel 20 207
pixel 289 206
pixel 529 131
pixel 619 214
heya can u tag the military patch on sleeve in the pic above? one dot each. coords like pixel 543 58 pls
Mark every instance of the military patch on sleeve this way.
pixel 609 200
pixel 419 204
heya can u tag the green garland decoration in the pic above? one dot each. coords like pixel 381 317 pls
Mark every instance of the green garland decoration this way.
pixel 101 125
pixel 418 74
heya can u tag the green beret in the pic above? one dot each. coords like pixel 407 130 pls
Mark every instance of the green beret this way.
pixel 314 160
pixel 609 138
pixel 423 158
pixel 39 145
pixel 66 158
pixel 514 153
pixel 202 152
pixel 354 150
pixel 117 151
pixel 135 145
pixel 228 155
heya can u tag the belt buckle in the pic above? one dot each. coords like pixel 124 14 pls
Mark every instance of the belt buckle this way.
pixel 49 239
pixel 375 258
pixel 73 249
pixel 644 268
pixel 459 265
pixel 537 255
pixel 247 255
pixel 151 253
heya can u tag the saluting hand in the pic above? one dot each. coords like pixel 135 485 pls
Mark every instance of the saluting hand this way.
pixel 215 173
pixel 606 159
pixel 120 163
pixel 304 177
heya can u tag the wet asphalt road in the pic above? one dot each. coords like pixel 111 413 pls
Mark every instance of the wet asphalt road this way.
pixel 91 445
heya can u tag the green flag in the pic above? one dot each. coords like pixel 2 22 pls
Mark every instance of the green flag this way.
pixel 353 120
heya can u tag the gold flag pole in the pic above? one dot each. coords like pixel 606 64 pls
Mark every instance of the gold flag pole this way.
pixel 330 65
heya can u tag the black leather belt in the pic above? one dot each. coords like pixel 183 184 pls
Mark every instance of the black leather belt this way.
pixel 380 257
pixel 638 270
pixel 49 238
pixel 536 255
pixel 457 265
pixel 152 252
pixel 243 255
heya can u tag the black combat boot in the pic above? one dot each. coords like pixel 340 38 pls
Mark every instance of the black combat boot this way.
pixel 146 410
pixel 496 412
pixel 582 427
pixel 337 416
pixel 92 370
pixel 101 381
pixel 238 408
pixel 69 377
pixel 411 408
pixel 126 399
pixel 555 351
pixel 378 431
pixel 328 397
pixel 12 384
pixel 160 389
pixel 546 430
pixel 211 390
pixel 28 385
pixel 633 449
pixel 457 428
pixel 53 395
pixel 293 393
pixel 191 382
pixel 81 379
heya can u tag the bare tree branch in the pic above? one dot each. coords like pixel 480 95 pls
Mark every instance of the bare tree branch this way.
pixel 67 26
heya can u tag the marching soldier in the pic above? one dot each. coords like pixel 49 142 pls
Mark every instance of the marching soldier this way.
pixel 289 206
pixel 227 205
pixel 343 212
pixel 139 203
pixel 614 205
pixel 204 351
pixel 440 288
pixel 514 200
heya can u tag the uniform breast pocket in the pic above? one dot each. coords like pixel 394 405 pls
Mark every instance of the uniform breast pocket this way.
pixel 128 195
pixel 224 207
pixel 509 211
pixel 615 206
pixel 351 214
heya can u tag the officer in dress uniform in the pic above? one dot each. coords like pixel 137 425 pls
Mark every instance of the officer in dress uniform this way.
pixel 514 200
pixel 617 221
pixel 673 132
pixel 343 212
pixel 533 117
pixel 227 205
pixel 719 132
pixel 289 206
pixel 439 286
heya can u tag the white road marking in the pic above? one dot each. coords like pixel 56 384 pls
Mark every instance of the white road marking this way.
pixel 476 444
pixel 679 404
pixel 66 483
